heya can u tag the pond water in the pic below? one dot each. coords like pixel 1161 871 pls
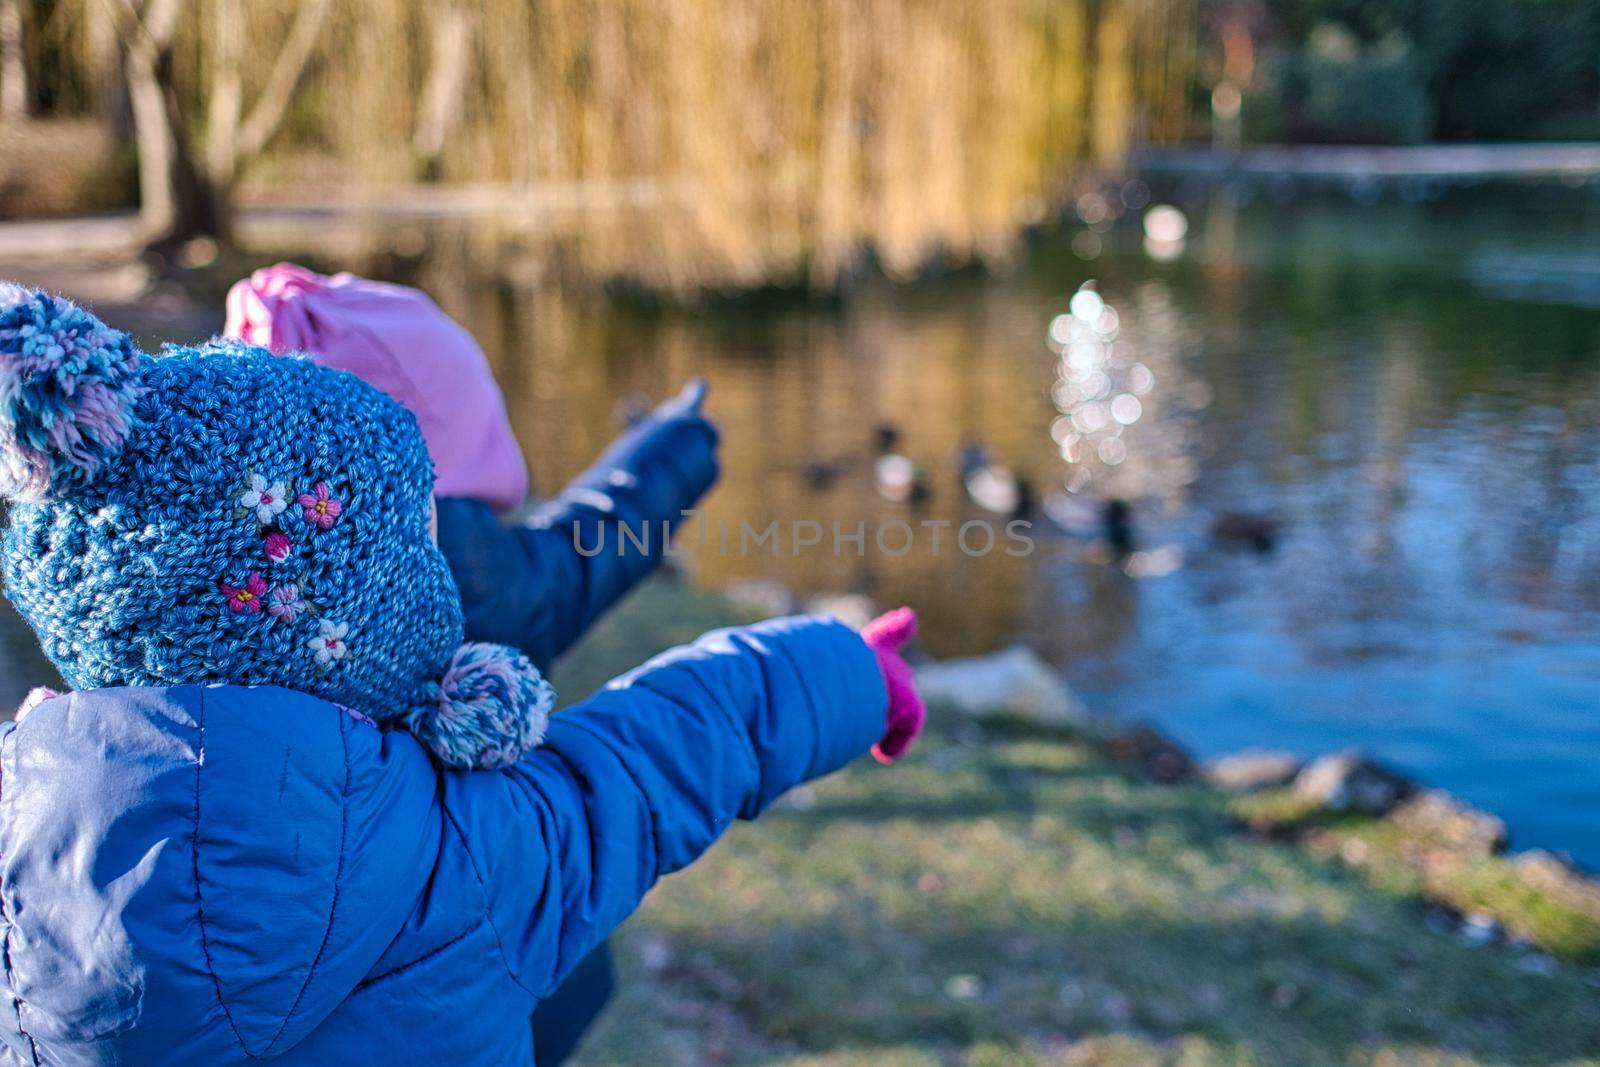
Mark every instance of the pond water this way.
pixel 1402 396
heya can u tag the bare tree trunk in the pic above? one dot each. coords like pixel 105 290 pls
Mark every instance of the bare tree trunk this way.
pixel 227 89
pixel 182 196
pixel 234 138
pixel 294 55
pixel 441 96
pixel 107 60
pixel 13 64
pixel 175 202
pixel 156 142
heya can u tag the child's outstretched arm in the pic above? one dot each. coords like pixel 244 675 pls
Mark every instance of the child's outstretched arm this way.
pixel 639 780
pixel 539 585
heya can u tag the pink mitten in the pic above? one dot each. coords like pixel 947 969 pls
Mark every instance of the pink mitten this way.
pixel 885 635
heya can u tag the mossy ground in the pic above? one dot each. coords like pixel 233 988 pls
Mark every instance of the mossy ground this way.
pixel 1560 916
pixel 1005 896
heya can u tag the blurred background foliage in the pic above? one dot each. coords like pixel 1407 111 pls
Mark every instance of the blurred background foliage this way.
pixel 1409 71
pixel 731 143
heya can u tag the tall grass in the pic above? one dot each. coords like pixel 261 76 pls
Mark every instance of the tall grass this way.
pixel 732 142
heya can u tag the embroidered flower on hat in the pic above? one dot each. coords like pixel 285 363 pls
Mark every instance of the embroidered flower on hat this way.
pixel 286 603
pixel 227 440
pixel 245 600
pixel 278 546
pixel 267 501
pixel 329 644
pixel 321 507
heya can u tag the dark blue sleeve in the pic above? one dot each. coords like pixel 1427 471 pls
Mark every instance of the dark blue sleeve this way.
pixel 640 779
pixel 539 585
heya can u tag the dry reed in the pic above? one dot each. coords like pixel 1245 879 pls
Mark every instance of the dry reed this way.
pixel 731 142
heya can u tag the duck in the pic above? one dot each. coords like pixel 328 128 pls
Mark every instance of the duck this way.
pixel 899 480
pixel 974 455
pixel 1116 519
pixel 820 472
pixel 1109 520
pixel 993 486
pixel 895 476
pixel 1246 529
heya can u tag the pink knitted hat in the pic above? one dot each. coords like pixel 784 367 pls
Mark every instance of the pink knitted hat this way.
pixel 397 339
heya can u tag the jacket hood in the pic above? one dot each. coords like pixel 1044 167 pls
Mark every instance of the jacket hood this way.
pixel 220 863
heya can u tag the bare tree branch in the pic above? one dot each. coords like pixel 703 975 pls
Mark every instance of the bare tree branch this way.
pixel 267 114
pixel 147 34
pixel 447 71
pixel 227 90
pixel 153 131
pixel 161 20
pixel 13 63
pixel 153 27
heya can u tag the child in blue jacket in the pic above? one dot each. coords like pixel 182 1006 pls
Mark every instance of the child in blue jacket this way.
pixel 288 812
pixel 523 583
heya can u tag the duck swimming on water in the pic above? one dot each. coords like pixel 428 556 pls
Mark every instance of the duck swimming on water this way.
pixel 1109 519
pixel 993 486
pixel 900 480
pixel 1245 529
pixel 820 472
pixel 897 478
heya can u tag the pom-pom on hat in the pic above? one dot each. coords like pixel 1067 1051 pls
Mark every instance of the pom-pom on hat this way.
pixel 475 717
pixel 67 388
pixel 216 514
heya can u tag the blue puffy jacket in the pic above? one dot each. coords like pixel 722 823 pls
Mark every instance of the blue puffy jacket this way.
pixel 530 585
pixel 212 875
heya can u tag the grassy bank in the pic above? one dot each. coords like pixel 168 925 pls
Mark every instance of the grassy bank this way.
pixel 1008 896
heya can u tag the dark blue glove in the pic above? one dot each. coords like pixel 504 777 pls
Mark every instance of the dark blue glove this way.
pixel 529 585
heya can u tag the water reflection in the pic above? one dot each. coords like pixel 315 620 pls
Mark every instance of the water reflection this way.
pixel 1426 452
pixel 1425 445
pixel 1120 435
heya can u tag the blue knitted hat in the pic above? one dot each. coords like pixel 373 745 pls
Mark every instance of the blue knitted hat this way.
pixel 217 514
